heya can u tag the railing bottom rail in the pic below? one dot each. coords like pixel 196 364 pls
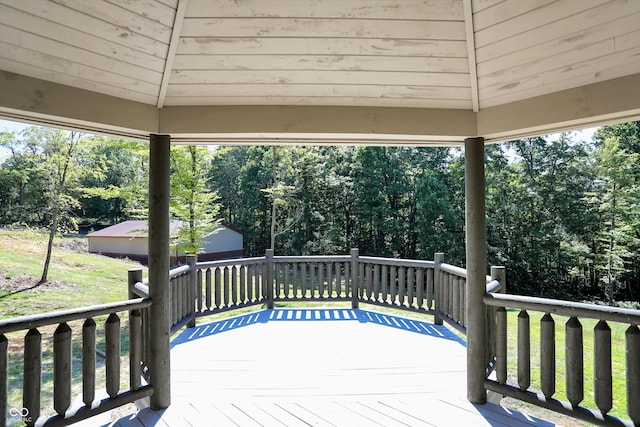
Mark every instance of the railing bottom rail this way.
pixel 555 405
pixel 104 405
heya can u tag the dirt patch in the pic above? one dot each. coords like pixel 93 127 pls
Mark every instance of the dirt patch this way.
pixel 14 284
pixel 75 245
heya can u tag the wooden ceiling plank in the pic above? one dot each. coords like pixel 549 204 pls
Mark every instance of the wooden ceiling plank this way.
pixel 586 73
pixel 289 90
pixel 471 53
pixel 323 27
pixel 479 5
pixel 505 11
pixel 118 16
pixel 579 40
pixel 317 77
pixel 173 45
pixel 76 38
pixel 328 101
pixel 328 46
pixel 389 9
pixel 545 15
pixel 51 51
pixel 74 69
pixel 151 9
pixel 512 74
pixel 547 31
pixel 75 82
pixel 320 62
pixel 116 33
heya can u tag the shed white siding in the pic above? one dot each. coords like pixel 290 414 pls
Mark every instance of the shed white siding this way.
pixel 118 245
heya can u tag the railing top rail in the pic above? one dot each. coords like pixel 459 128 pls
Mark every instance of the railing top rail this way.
pixel 312 258
pixel 493 286
pixel 141 289
pixel 452 269
pixel 564 308
pixel 55 317
pixel 233 261
pixel 400 262
pixel 178 271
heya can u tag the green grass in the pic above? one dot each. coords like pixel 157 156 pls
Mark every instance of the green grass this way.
pixel 618 359
pixel 76 279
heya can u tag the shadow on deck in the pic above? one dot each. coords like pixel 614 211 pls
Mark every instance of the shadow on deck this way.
pixel 325 367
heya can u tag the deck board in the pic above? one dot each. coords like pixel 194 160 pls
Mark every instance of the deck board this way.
pixel 313 367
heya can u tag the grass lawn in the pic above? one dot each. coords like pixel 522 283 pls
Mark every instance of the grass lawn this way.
pixel 76 279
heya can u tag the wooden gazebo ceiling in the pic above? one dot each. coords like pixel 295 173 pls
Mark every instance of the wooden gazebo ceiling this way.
pixel 355 71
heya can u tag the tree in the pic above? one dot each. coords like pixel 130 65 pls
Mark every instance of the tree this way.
pixel 619 208
pixel 191 200
pixel 59 149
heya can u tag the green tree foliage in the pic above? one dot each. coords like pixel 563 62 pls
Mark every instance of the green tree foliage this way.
pixel 191 200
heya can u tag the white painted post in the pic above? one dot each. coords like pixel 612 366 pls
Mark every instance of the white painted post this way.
pixel 159 291
pixel 475 230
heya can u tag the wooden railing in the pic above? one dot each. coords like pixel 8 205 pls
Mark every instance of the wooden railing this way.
pixel 61 351
pixel 574 357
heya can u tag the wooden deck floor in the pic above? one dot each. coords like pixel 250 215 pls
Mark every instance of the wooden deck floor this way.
pixel 321 367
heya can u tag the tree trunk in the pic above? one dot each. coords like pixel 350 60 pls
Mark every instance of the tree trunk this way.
pixel 52 233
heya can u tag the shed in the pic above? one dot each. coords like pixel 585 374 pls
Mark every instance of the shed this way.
pixel 131 239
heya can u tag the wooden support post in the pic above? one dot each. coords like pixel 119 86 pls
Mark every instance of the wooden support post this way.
pixel 160 311
pixel 355 280
pixel 268 277
pixel 476 240
pixel 192 261
pixel 438 287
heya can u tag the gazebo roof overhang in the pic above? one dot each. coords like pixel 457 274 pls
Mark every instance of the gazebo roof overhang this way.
pixel 416 72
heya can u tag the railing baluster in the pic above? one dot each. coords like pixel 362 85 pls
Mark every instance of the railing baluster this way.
pixel 285 280
pixel 384 284
pixel 226 286
pixel 329 268
pixel 62 363
pixel 135 349
pixel 249 282
pixel 312 276
pixel 455 299
pixel 411 283
pixel 208 295
pixel 369 282
pixel 392 284
pixel 32 374
pixel 420 287
pixel 243 284
pixel 430 288
pixel 547 356
pixel 234 284
pixel 303 278
pixel 218 288
pixel 524 351
pixel 376 282
pixel 574 361
pixel 112 363
pixel 295 278
pixel 321 280
pixel 199 291
pixel 602 367
pixel 347 279
pixel 338 278
pixel 632 337
pixel 4 375
pixel 501 345
pixel 402 285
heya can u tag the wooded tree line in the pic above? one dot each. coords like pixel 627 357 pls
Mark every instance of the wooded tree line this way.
pixel 562 216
